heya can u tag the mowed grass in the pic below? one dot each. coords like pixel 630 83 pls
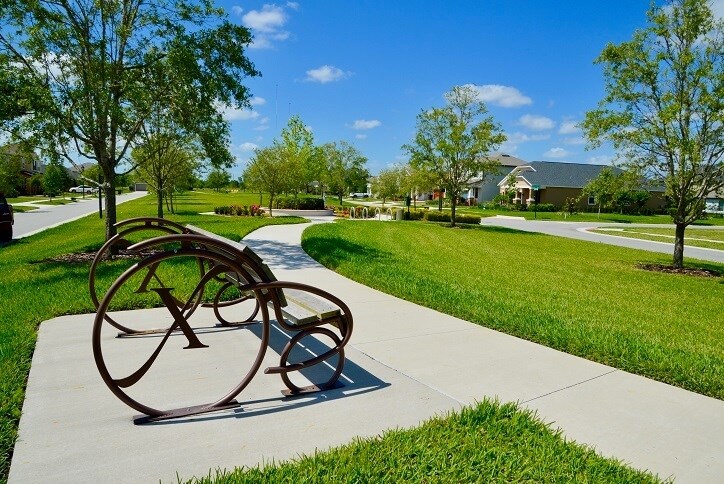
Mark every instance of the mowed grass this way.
pixel 584 217
pixel 708 239
pixel 34 291
pixel 486 443
pixel 585 299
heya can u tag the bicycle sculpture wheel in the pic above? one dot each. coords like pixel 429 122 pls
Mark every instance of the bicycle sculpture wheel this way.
pixel 168 373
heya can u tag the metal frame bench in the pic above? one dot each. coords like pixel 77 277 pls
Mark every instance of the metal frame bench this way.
pixel 223 266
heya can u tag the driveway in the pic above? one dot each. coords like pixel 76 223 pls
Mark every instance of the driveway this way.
pixel 580 231
pixel 47 216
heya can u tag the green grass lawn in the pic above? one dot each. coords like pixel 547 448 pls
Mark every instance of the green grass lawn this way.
pixel 709 239
pixel 34 291
pixel 585 299
pixel 487 443
pixel 583 217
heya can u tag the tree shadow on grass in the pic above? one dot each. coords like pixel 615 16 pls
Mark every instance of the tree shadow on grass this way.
pixel 329 251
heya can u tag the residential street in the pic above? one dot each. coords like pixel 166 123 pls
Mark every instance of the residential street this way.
pixel 577 230
pixel 47 216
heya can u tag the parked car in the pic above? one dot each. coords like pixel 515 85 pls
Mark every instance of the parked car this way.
pixel 358 195
pixel 83 189
pixel 6 220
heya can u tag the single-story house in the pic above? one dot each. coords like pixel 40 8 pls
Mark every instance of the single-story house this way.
pixel 484 189
pixel 554 182
pixel 715 202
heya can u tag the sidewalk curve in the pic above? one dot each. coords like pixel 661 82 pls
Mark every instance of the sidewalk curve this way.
pixel 405 364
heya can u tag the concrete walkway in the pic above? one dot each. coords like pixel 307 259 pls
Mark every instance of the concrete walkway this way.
pixel 581 231
pixel 48 216
pixel 406 363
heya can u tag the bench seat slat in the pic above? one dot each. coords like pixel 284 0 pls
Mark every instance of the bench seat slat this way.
pixel 297 315
pixel 321 307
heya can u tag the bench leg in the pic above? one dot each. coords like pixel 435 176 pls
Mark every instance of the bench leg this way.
pixel 330 383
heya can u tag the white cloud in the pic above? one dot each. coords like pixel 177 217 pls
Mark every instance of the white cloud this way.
pixel 234 114
pixel 504 96
pixel 360 136
pixel 237 10
pixel 269 19
pixel 556 153
pixel 325 74
pixel 569 127
pixel 248 146
pixel 257 101
pixel 518 137
pixel 366 124
pixel 293 5
pixel 263 124
pixel 600 160
pixel 717 6
pixel 267 24
pixel 536 122
pixel 577 140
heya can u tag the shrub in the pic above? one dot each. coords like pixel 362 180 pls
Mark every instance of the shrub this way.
pixel 542 207
pixel 467 219
pixel 413 215
pixel 435 216
pixel 299 203
pixel 240 211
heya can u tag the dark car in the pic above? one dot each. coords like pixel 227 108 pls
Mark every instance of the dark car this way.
pixel 6 220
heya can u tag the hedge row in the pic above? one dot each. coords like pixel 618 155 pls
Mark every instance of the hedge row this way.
pixel 299 203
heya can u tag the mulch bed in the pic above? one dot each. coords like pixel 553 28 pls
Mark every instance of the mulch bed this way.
pixel 87 257
pixel 689 271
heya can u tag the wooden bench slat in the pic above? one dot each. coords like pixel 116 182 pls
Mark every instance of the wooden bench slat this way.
pixel 321 307
pixel 297 315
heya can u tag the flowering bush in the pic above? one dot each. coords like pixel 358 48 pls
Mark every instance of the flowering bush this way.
pixel 240 211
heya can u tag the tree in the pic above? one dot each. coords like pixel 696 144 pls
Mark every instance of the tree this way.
pixel 605 188
pixel 11 181
pixel 54 179
pixel 268 171
pixel 664 106
pixel 218 179
pixel 345 168
pixel 97 68
pixel 388 184
pixel 452 142
pixel 297 143
pixel 162 163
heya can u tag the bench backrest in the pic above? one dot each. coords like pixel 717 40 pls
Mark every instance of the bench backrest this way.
pixel 257 270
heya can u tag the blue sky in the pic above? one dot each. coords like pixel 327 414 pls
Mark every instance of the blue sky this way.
pixel 361 71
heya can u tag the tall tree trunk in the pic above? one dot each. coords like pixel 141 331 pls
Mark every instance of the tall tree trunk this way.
pixel 159 203
pixel 453 202
pixel 111 214
pixel 679 246
pixel 439 201
pixel 340 199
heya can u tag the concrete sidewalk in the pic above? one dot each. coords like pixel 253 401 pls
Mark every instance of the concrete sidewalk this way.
pixel 405 364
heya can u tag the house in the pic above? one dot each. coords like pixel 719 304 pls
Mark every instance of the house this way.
pixel 27 163
pixel 555 182
pixel 714 202
pixel 485 189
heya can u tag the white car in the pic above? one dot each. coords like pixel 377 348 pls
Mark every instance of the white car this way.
pixel 83 189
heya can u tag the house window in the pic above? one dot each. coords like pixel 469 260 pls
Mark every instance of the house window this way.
pixel 592 200
pixel 475 192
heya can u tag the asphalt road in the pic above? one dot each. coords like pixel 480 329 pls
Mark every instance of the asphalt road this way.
pixel 578 230
pixel 47 216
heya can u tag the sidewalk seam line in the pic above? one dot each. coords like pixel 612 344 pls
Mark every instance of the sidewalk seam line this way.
pixel 571 386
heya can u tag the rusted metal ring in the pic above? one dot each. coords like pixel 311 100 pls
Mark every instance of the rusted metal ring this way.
pixel 302 365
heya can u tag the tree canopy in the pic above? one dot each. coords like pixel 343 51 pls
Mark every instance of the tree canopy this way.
pixel 95 70
pixel 452 143
pixel 663 109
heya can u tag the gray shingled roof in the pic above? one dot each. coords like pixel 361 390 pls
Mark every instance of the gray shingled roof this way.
pixel 564 175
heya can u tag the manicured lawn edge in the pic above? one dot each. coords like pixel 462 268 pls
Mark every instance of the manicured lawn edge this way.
pixel 488 442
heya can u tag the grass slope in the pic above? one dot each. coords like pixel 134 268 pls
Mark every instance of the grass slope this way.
pixel 487 443
pixel 706 238
pixel 582 298
pixel 34 291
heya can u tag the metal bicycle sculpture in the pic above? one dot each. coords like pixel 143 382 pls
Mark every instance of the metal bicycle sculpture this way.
pixel 222 267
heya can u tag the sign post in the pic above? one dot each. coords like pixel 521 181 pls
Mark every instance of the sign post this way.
pixel 535 201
